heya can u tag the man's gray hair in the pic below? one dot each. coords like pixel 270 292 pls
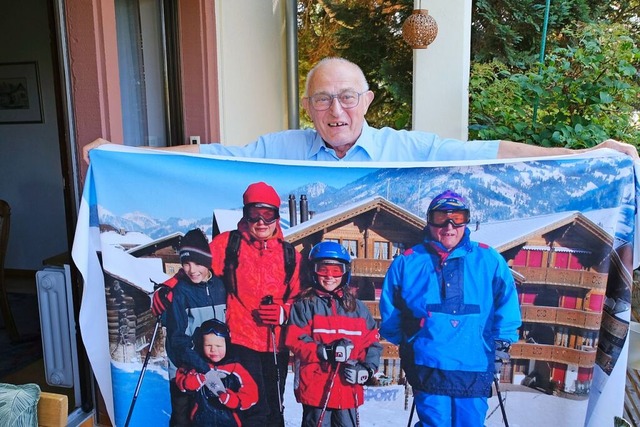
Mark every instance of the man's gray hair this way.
pixel 363 80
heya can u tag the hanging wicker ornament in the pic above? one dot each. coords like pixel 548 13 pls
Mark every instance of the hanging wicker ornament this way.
pixel 420 29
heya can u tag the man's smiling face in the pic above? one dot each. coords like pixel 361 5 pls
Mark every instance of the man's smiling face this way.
pixel 338 127
pixel 449 235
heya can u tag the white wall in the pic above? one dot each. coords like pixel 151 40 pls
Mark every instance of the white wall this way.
pixel 441 72
pixel 29 153
pixel 251 49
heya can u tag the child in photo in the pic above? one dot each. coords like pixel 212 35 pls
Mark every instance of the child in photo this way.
pixel 226 388
pixel 197 296
pixel 334 341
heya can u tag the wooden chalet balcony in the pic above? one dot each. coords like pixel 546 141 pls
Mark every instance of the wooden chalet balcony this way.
pixel 561 316
pixel 364 267
pixel 552 353
pixel 560 276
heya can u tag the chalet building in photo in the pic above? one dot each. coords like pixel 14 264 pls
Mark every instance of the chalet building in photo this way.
pixel 373 230
pixel 563 264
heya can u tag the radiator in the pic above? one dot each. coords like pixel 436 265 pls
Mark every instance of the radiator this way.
pixel 58 327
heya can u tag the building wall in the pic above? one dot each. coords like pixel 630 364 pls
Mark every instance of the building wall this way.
pixel 252 69
pixel 441 72
pixel 29 153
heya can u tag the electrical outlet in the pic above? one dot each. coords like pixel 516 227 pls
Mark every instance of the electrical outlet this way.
pixel 194 140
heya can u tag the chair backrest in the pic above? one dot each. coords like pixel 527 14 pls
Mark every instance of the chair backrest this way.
pixel 5 220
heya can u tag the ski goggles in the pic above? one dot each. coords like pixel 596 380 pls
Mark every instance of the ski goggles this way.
pixel 216 327
pixel 330 269
pixel 254 213
pixel 457 218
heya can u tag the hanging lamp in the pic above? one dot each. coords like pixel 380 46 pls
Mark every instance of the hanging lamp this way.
pixel 420 29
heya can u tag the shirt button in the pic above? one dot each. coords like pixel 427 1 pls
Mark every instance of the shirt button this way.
pixel 448 284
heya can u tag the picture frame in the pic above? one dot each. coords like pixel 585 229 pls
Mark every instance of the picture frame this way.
pixel 20 93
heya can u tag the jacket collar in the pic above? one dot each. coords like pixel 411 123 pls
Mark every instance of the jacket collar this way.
pixel 436 247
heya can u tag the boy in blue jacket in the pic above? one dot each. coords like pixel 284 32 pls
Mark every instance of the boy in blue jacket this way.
pixel 452 306
pixel 198 296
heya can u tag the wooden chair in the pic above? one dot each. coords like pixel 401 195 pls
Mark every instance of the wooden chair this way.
pixel 7 316
pixel 53 410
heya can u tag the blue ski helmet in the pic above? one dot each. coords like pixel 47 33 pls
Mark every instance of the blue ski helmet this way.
pixel 331 252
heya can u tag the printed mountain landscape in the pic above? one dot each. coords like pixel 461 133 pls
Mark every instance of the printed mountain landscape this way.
pixel 494 192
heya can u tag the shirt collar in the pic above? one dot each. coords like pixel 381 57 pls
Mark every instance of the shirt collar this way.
pixel 363 143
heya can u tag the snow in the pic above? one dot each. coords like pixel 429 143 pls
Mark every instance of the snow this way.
pixel 384 406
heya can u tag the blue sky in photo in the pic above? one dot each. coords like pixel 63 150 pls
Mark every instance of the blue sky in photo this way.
pixel 175 197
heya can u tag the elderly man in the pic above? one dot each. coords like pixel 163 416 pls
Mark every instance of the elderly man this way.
pixel 337 99
pixel 452 306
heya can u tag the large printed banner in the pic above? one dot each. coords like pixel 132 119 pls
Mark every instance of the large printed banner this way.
pixel 566 226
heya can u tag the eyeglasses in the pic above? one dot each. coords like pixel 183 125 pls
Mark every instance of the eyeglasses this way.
pixel 254 214
pixel 330 269
pixel 442 218
pixel 346 98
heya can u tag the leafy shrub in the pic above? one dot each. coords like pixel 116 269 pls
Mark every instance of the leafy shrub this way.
pixel 586 91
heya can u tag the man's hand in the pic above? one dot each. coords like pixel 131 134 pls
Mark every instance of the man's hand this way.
pixel 90 146
pixel 355 372
pixel 623 147
pixel 502 354
pixel 271 314
pixel 336 351
pixel 187 148
pixel 161 300
pixel 213 381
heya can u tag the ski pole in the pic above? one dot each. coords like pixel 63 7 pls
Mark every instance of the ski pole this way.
pixel 144 369
pixel 357 412
pixel 326 399
pixel 504 412
pixel 413 408
pixel 268 300
pixel 275 361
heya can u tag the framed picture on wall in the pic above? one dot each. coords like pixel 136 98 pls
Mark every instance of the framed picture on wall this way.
pixel 20 100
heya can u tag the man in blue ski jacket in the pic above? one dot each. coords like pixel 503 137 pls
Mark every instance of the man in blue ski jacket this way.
pixel 452 306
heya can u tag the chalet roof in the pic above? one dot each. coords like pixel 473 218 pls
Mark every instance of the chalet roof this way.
pixel 152 246
pixel 504 235
pixel 129 238
pixel 135 271
pixel 332 217
pixel 226 219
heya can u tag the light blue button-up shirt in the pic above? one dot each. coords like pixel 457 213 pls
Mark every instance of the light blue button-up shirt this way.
pixel 381 145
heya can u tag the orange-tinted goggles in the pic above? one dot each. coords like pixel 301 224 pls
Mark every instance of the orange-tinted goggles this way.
pixel 442 218
pixel 330 270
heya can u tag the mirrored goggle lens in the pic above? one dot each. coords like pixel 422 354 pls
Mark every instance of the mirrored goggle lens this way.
pixel 456 218
pixel 330 270
pixel 268 216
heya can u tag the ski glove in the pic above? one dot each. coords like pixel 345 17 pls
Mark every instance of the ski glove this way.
pixel 271 314
pixel 161 300
pixel 337 351
pixel 213 381
pixel 355 372
pixel 502 353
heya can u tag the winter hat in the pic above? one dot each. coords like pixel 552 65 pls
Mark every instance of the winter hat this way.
pixel 261 193
pixel 448 201
pixel 194 247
